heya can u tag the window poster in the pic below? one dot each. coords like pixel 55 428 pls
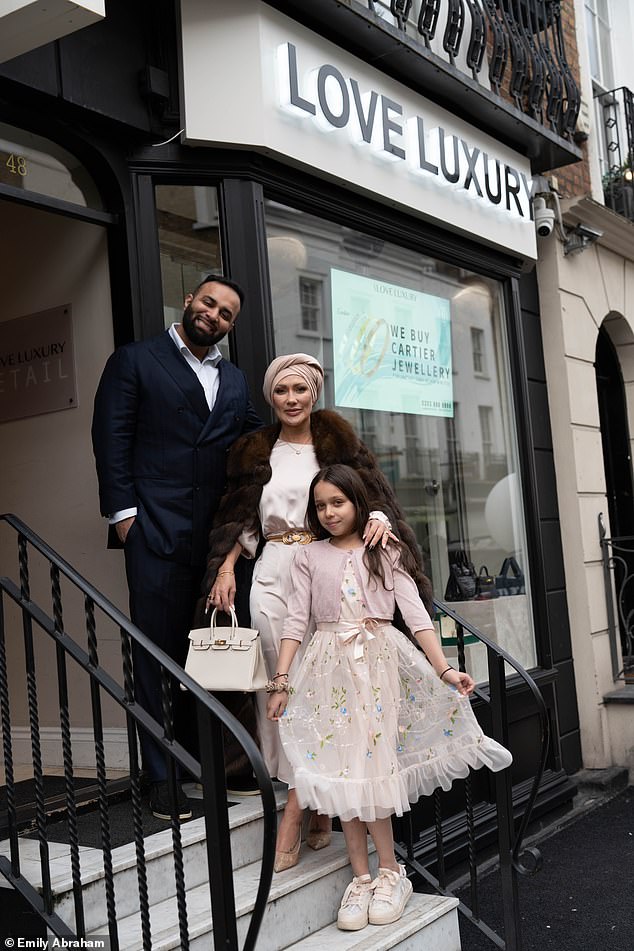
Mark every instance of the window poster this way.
pixel 391 347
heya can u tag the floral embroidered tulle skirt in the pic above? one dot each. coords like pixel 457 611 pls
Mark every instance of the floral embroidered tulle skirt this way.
pixel 370 728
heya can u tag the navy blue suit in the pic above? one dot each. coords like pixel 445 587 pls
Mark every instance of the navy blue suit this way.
pixel 159 448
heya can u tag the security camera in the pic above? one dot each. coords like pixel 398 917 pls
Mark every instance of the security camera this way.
pixel 589 234
pixel 544 218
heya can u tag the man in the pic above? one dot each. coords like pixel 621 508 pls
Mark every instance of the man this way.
pixel 166 412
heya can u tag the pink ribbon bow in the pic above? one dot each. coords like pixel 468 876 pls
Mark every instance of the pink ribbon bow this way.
pixel 361 635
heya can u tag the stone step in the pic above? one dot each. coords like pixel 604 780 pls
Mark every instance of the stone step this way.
pixel 246 825
pixel 429 923
pixel 302 900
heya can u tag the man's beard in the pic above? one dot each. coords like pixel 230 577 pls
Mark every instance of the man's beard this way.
pixel 195 335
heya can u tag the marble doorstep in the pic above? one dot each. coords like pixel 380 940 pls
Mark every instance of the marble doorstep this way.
pixel 430 923
pixel 246 825
pixel 245 821
pixel 241 815
pixel 59 862
pixel 301 900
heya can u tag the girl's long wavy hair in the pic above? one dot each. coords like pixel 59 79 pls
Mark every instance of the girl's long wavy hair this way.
pixel 350 483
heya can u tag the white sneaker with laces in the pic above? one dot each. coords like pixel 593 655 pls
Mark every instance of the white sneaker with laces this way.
pixel 392 891
pixel 353 911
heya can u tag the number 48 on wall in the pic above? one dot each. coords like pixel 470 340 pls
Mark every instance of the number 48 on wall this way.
pixel 16 164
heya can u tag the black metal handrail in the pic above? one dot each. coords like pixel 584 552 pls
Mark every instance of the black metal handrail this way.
pixel 513 857
pixel 617 555
pixel 212 717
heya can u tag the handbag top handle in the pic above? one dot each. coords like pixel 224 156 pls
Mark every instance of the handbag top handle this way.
pixel 234 619
pixel 224 634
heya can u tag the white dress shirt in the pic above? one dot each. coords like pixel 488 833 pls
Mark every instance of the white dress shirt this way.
pixel 209 378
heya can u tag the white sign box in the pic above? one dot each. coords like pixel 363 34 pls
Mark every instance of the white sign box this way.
pixel 27 24
pixel 254 78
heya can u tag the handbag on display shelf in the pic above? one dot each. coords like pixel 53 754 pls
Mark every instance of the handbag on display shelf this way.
pixel 461 585
pixel 485 585
pixel 226 658
pixel 511 578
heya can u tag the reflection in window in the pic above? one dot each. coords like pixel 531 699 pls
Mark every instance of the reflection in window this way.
pixel 477 349
pixel 310 295
pixel 367 429
pixel 189 243
pixel 486 432
pixel 452 430
pixel 35 164
pixel 457 480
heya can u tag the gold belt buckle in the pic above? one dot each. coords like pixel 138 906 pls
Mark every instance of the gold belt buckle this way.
pixel 302 538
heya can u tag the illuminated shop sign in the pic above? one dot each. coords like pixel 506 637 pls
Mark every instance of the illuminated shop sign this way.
pixel 311 105
pixel 371 119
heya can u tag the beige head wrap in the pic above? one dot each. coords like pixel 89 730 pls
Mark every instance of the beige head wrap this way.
pixel 295 364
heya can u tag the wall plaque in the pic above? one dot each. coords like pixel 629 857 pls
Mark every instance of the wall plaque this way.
pixel 37 364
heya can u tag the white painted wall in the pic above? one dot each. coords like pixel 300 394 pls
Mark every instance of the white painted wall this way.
pixel 577 294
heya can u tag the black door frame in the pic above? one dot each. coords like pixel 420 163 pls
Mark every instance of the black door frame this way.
pixel 243 180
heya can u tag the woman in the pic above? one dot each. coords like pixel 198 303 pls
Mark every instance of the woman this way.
pixel 269 474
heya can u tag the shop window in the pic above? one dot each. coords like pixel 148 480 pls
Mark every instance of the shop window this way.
pixel 189 243
pixel 477 350
pixel 310 297
pixel 395 339
pixel 32 163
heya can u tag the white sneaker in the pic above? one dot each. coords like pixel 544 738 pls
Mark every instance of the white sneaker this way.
pixel 353 911
pixel 392 891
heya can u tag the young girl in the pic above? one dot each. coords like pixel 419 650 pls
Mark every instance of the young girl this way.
pixel 370 723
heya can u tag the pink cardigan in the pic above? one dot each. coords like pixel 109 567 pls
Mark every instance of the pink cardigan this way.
pixel 317 575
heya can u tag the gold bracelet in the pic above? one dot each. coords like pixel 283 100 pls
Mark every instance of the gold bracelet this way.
pixel 227 571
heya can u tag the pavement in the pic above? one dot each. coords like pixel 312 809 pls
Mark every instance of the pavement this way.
pixel 583 897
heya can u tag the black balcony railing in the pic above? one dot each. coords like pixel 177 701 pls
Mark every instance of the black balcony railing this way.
pixel 517 44
pixel 512 48
pixel 617 112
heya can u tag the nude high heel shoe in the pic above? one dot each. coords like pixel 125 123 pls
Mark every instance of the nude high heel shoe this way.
pixel 285 860
pixel 317 838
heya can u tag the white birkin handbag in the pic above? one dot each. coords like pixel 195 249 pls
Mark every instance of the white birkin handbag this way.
pixel 226 658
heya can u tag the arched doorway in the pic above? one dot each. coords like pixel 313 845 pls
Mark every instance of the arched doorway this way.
pixel 617 462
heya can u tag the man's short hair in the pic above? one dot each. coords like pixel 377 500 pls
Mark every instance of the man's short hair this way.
pixel 221 279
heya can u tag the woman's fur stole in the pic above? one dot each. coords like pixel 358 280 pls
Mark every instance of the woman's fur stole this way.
pixel 335 441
